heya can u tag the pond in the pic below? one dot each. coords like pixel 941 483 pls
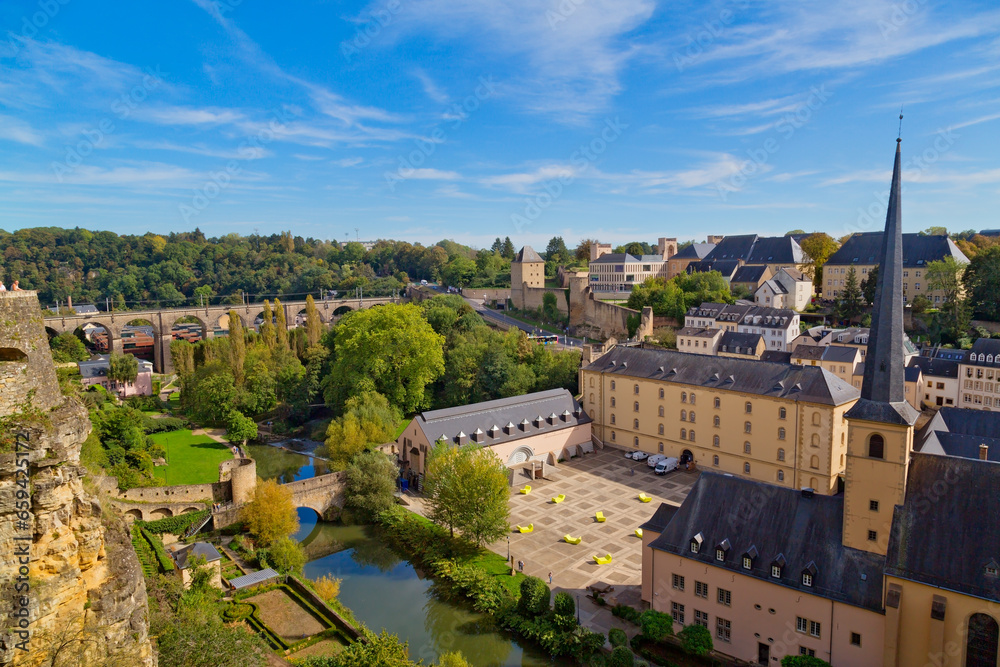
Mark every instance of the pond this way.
pixel 385 591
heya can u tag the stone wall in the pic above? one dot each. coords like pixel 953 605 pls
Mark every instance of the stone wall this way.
pixel 25 359
pixel 215 492
pixel 487 293
pixel 532 298
pixel 85 578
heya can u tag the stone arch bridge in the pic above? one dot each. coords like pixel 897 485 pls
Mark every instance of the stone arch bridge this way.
pixel 163 320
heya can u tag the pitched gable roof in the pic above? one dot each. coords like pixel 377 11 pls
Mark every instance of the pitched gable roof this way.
pixel 918 251
pixel 528 254
pixel 694 251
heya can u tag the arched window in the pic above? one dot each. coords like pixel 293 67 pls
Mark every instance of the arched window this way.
pixel 684 397
pixel 814 462
pixel 659 429
pixel 746 447
pixel 684 434
pixel 746 468
pixel 716 421
pixel 635 424
pixel 684 415
pixel 718 402
pixel 691 435
pixel 691 417
pixel 715 441
pixel 661 411
pixel 812 483
pixel 876 446
pixel 612 418
pixel 613 435
pixel 781 434
pixel 841 460
pixel 635 442
pixel 749 407
pixel 815 440
pixel 635 406
pixel 782 413
pixel 661 392
pixel 747 427
pixel 591 380
pixel 781 454
pixel 692 398
pixel 981 645
pixel 612 385
pixel 816 419
pixel 636 389
pixel 612 401
pixel 715 460
pixel 781 475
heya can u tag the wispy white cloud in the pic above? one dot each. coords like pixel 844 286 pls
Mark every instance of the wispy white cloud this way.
pixel 244 153
pixel 176 115
pixel 427 174
pixel 15 129
pixel 522 182
pixel 975 121
pixel 348 161
pixel 431 89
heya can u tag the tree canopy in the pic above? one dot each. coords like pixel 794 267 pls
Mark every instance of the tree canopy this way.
pixel 467 489
pixel 270 515
pixel 673 298
pixel 368 420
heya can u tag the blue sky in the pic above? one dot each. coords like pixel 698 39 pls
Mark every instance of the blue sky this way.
pixel 430 119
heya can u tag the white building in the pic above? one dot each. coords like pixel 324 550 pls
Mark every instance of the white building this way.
pixel 789 288
pixel 778 326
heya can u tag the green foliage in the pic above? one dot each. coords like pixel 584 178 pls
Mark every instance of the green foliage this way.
pixel 195 635
pixel 455 659
pixel 534 598
pixel 869 285
pixel 239 428
pixel 381 650
pixel 850 301
pixel 391 350
pixel 803 661
pixel 163 561
pixel 123 368
pixel 467 488
pixel 564 605
pixel 368 420
pixel 286 555
pixel 819 246
pixel 656 625
pixel 556 251
pixel 370 485
pixel 632 323
pixel 630 614
pixel 673 298
pixel 621 656
pixel 175 525
pixel 955 315
pixel 696 639
pixel 617 637
pixel 982 283
pixel 66 347
pixel 237 611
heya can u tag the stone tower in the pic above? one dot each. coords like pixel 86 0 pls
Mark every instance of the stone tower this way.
pixel 666 247
pixel 84 576
pixel 880 424
pixel 527 269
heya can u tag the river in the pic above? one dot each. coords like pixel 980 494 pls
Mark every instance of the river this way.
pixel 385 591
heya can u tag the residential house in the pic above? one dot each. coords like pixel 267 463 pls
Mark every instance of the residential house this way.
pixel 789 288
pixel 979 374
pixel 95 372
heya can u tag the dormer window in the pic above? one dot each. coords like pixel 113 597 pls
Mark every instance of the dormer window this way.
pixel 747 562
pixel 777 565
pixel 808 574
pixel 721 550
pixel 992 568
pixel 696 543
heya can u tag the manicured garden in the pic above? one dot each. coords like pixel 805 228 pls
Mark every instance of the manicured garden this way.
pixel 191 459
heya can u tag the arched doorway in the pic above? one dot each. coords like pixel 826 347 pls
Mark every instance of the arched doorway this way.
pixel 982 643
pixel 686 457
pixel 520 455
pixel 134 515
pixel 161 513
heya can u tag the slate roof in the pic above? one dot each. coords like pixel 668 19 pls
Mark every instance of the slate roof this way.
pixel 515 418
pixel 698 332
pixel 984 346
pixel 727 267
pixel 775 523
pixel 841 354
pixel 694 251
pixel 98 366
pixel 776 356
pixel 661 518
pixel 918 251
pixel 989 232
pixel 799 383
pixel 960 431
pixel 808 352
pixel 776 250
pixel 934 538
pixel 733 247
pixel 747 343
pixel 528 254
pixel 942 368
pixel 85 309
pixel 762 316
pixel 775 286
pixel 749 274
pixel 616 258
pixel 183 555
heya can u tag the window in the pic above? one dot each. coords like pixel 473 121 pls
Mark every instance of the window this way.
pixel 661 392
pixel 612 385
pixel 691 436
pixel 701 589
pixel 876 446
pixel 684 397
pixel 684 434
pixel 684 415
pixel 781 434
pixel 746 468
pixel 612 418
pixel 716 421
pixel 873 505
pixel 776 571
pixel 722 629
pixel 636 390
pixel 659 429
pixel 715 441
pixel 782 413
pixel 814 462
pixel 816 419
pixel 807 651
pixel 660 411
pixel 747 563
pixel 701 618
pixel 678 582
pixel 814 628
pixel 677 611
pixel 715 461
pixel 635 407
pixel 661 447
pixel 725 597
pixel 720 554
pixel 746 447
pixel 612 435
pixel 781 454
pixel 872 536
pixel 855 637
pixel 801 624
pixel 781 475
pixel 691 416
pixel 717 401
pixel 749 407
pixel 747 427
pixel 635 424
pixel 807 579
pixel 612 401
pixel 815 440
pixel 692 393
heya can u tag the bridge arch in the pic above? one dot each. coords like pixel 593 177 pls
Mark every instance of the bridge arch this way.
pixel 98 335
pixel 342 310
pixel 133 514
pixel 189 327
pixel 161 513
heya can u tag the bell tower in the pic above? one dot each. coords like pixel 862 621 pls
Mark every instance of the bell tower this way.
pixel 880 424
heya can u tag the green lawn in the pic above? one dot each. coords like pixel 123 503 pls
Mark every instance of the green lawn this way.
pixel 191 459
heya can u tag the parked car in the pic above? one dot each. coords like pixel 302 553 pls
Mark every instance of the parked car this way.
pixel 628 455
pixel 653 460
pixel 666 465
pixel 639 456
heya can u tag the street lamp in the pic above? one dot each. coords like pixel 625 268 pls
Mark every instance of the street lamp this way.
pixel 578 609
pixel 508 547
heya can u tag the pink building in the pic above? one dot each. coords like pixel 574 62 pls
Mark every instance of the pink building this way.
pixel 95 371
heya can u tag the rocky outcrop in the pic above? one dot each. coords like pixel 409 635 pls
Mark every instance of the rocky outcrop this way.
pixel 87 597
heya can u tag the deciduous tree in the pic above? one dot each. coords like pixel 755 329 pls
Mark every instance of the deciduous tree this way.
pixel 467 489
pixel 267 332
pixel 946 276
pixel 314 326
pixel 237 347
pixel 239 428
pixel 270 514
pixel 368 420
pixel 370 485
pixel 982 283
pixel 280 326
pixel 819 246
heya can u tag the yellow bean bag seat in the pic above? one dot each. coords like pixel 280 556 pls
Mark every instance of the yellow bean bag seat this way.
pixel 600 517
pixel 526 529
pixel 526 489
pixel 558 499
pixel 572 540
pixel 638 533
pixel 642 497
pixel 602 560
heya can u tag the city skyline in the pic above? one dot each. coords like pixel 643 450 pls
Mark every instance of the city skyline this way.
pixel 421 120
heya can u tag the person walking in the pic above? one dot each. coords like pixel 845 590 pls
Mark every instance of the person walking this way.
pixel 550 578
pixel 520 565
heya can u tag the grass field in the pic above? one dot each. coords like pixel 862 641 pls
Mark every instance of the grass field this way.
pixel 191 459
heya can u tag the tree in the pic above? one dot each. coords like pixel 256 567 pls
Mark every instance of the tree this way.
pixel 391 350
pixel 454 659
pixel 267 332
pixel 819 246
pixel 617 637
pixel 935 231
pixel 803 661
pixel 945 276
pixel 621 656
pixel 850 304
pixel 314 326
pixel 327 587
pixel 237 347
pixel 534 599
pixel 982 283
pixel 123 368
pixel 197 637
pixel 550 307
pixel 368 420
pixel 583 250
pixel 466 488
pixel 656 625
pixel 696 639
pixel 869 285
pixel 556 251
pixel 280 326
pixel 286 556
pixel 270 514
pixel 239 428
pixel 508 251
pixel 370 485
pixel 66 347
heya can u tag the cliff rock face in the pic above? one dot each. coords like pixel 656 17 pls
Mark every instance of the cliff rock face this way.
pixel 87 597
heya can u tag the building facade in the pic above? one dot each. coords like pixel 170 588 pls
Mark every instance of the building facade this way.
pixel 979 374
pixel 789 288
pixel 779 327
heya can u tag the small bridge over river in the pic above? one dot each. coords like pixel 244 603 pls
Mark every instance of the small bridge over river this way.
pixel 164 319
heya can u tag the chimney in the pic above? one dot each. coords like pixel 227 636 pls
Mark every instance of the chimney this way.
pixel 984 451
pixel 69 302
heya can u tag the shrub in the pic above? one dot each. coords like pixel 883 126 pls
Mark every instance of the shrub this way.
pixel 628 613
pixel 621 656
pixel 803 661
pixel 534 597
pixel 237 611
pixel 617 637
pixel 656 625
pixel 327 587
pixel 175 525
pixel 564 604
pixel 696 639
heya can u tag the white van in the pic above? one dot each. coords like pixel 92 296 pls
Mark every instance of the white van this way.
pixel 666 465
pixel 653 460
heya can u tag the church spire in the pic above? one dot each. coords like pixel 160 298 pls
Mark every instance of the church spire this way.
pixel 884 376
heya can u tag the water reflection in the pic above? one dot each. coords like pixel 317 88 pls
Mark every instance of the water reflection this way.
pixel 286 466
